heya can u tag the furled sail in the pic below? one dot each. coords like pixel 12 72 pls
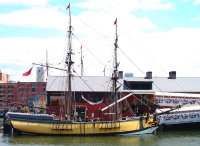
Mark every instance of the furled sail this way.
pixel 92 103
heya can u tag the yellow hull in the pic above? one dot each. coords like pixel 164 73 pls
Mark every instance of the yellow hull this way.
pixel 82 128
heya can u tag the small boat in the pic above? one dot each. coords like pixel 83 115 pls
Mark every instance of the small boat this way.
pixel 68 124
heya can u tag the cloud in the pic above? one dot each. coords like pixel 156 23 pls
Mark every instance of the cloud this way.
pixel 185 1
pixel 35 17
pixel 196 2
pixel 20 53
pixel 159 52
pixel 168 51
pixel 128 6
pixel 195 19
pixel 24 2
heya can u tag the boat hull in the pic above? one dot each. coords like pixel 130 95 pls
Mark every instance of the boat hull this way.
pixel 64 127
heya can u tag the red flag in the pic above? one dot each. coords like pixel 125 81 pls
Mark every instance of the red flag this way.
pixel 81 47
pixel 27 73
pixel 68 7
pixel 115 22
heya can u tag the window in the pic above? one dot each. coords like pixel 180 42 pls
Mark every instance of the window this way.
pixel 33 89
pixel 33 85
pixel 141 85
pixel 10 91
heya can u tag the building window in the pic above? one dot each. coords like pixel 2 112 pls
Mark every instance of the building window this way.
pixel 33 85
pixel 10 91
pixel 33 89
pixel 141 85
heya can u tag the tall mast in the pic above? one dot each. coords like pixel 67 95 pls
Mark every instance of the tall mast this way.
pixel 69 63
pixel 115 72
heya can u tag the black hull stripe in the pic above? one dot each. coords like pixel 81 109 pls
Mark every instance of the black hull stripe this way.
pixel 92 134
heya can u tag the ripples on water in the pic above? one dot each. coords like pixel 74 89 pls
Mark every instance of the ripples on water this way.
pixel 182 138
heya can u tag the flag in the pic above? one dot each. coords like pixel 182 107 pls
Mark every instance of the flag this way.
pixel 115 22
pixel 27 73
pixel 104 69
pixel 81 47
pixel 68 7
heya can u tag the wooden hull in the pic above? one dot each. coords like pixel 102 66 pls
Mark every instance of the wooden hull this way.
pixel 64 127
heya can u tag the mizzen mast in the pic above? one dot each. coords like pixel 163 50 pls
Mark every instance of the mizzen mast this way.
pixel 115 74
pixel 69 62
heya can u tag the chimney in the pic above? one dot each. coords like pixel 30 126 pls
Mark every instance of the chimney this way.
pixel 172 75
pixel 149 75
pixel 120 74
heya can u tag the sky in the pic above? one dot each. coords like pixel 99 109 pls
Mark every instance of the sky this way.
pixel 153 35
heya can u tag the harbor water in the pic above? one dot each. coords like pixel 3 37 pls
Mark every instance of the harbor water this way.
pixel 159 139
pixel 173 138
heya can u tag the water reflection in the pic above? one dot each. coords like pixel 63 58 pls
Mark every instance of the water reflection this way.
pixel 175 138
pixel 75 140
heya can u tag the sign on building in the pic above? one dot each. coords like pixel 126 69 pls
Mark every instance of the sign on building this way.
pixel 40 74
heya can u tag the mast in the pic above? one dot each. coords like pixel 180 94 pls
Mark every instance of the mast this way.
pixel 115 72
pixel 69 62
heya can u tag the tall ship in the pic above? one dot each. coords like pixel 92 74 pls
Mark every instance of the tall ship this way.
pixel 71 118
